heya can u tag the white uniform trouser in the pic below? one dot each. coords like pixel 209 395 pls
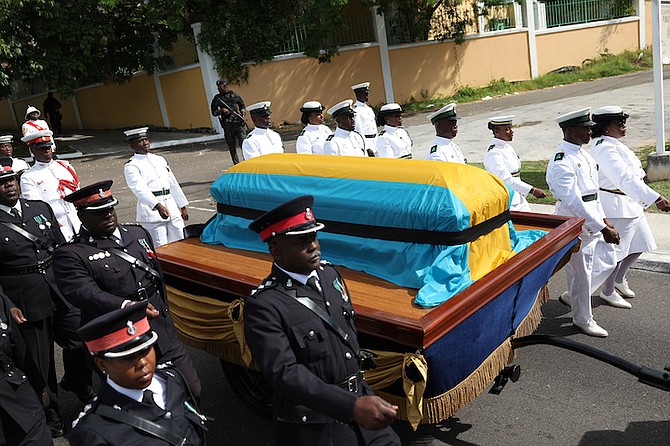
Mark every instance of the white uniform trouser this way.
pixel 586 271
pixel 163 232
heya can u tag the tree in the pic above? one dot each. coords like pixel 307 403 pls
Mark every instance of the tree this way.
pixel 64 44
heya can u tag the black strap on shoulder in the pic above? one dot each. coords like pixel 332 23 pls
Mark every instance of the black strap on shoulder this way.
pixel 134 261
pixel 325 317
pixel 147 426
pixel 388 233
pixel 27 235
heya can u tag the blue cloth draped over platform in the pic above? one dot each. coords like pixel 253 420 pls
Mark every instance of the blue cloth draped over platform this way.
pixel 406 194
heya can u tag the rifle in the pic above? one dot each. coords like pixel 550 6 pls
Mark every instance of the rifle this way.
pixel 234 113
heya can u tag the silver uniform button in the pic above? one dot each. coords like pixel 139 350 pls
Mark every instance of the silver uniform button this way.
pixel 327 303
pixel 311 333
pixel 167 415
pixel 347 355
pixel 304 418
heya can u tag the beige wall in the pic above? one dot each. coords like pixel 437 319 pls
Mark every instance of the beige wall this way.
pixel 290 83
pixel 440 69
pixel 118 106
pixel 560 48
pixel 185 100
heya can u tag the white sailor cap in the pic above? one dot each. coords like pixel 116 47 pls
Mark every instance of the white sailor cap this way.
pixel 260 108
pixel 42 137
pixel 577 118
pixel 388 109
pixel 446 112
pixel 341 108
pixel 6 139
pixel 312 106
pixel 609 113
pixel 501 120
pixel 134 134
pixel 32 109
pixel 361 86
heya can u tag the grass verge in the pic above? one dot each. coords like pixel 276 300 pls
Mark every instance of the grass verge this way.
pixel 604 66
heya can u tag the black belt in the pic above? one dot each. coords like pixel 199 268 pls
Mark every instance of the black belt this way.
pixel 160 193
pixel 614 191
pixel 40 267
pixel 449 238
pixel 371 136
pixel 590 197
pixel 143 293
pixel 406 157
pixel 353 383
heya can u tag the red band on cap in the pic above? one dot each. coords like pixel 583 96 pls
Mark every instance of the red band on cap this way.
pixel 39 140
pixel 93 198
pixel 117 338
pixel 287 223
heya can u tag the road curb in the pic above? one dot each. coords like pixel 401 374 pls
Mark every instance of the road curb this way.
pixel 655 261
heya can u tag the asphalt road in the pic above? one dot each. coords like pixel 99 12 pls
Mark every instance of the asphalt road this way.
pixel 562 398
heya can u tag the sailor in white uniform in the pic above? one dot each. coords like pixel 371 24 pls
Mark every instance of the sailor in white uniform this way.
pixel 624 196
pixel 6 150
pixel 262 140
pixel 393 141
pixel 313 136
pixel 161 204
pixel 51 181
pixel 572 176
pixel 345 141
pixel 501 160
pixel 365 121
pixel 445 121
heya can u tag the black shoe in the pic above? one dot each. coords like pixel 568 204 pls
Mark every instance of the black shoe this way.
pixel 84 393
pixel 54 422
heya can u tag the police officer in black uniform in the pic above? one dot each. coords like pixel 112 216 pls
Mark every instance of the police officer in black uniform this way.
pixel 138 405
pixel 229 107
pixel 296 323
pixel 29 233
pixel 22 420
pixel 108 266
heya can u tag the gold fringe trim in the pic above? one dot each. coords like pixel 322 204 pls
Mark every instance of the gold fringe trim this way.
pixel 439 408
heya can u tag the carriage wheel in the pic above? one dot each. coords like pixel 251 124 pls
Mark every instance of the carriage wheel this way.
pixel 251 387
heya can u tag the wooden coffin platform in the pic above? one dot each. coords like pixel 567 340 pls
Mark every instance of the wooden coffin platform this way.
pixel 384 310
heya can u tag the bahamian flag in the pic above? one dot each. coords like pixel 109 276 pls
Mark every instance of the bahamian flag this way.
pixel 429 225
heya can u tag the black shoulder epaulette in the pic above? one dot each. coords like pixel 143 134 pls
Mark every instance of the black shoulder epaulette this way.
pixel 559 156
pixel 302 132
pixel 433 149
pixel 599 141
pixel 329 137
pixel 490 147
pixel 382 132
pixel 88 408
pixel 268 283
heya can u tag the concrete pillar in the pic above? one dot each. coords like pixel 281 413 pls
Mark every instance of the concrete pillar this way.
pixel 658 166
pixel 532 47
pixel 209 74
pixel 77 115
pixel 161 100
pixel 642 15
pixel 380 29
